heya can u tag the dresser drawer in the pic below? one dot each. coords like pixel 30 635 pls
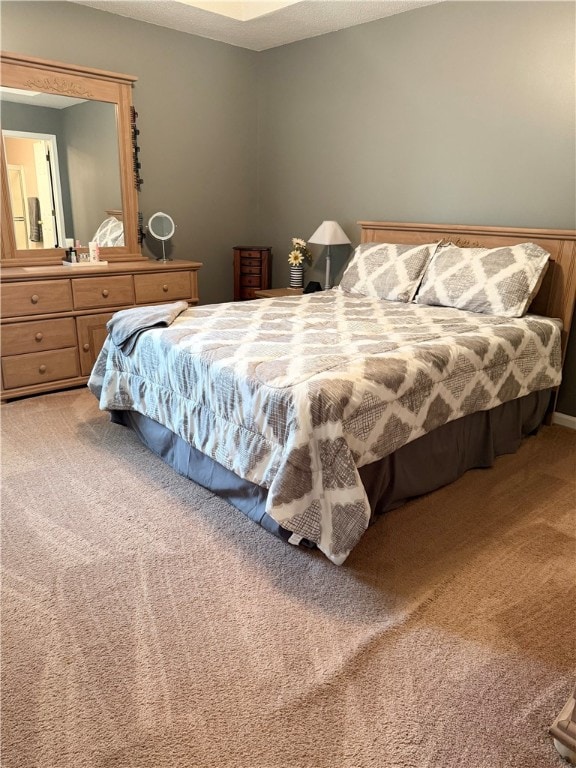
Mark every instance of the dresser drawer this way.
pixel 36 298
pixel 91 292
pixel 36 368
pixel 19 338
pixel 162 286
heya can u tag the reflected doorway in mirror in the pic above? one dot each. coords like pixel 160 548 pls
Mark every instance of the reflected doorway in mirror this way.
pixel 35 189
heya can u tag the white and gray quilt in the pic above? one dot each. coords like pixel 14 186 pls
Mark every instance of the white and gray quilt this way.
pixel 295 394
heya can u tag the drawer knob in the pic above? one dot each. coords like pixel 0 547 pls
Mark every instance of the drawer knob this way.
pixel 165 288
pixel 42 369
pixel 86 347
pixel 39 336
pixel 105 292
pixel 34 298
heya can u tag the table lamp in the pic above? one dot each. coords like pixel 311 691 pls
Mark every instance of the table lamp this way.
pixel 329 233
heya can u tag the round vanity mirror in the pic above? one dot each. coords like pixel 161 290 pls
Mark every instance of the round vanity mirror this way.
pixel 162 227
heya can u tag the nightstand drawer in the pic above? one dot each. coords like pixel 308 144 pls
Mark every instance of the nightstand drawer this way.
pixel 20 338
pixel 251 280
pixel 91 292
pixel 247 294
pixel 39 367
pixel 36 298
pixel 162 286
pixel 250 269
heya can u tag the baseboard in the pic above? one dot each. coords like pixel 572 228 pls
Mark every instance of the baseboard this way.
pixel 564 420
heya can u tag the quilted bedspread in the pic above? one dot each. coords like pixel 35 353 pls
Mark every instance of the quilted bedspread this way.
pixel 296 393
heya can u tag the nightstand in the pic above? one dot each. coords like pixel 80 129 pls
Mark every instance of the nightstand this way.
pixel 252 269
pixel 274 293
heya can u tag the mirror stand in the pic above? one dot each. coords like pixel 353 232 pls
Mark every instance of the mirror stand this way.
pixel 162 227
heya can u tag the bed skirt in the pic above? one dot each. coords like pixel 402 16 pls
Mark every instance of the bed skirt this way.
pixel 422 466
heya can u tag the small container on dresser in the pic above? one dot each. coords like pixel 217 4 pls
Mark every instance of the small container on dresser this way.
pixel 252 269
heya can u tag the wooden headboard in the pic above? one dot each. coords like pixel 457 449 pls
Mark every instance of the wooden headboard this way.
pixel 557 294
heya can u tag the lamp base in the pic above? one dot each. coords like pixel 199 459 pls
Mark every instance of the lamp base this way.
pixel 327 285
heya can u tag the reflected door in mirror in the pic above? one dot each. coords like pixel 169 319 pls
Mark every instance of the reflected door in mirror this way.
pixel 34 191
pixel 18 202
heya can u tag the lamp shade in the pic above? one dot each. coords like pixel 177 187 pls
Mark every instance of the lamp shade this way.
pixel 329 233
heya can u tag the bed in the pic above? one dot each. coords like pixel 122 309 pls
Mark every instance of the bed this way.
pixel 314 414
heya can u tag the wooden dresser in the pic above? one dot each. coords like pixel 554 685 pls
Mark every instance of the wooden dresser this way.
pixel 252 269
pixel 54 317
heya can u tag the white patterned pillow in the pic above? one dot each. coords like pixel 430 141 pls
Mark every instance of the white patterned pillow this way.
pixel 387 271
pixel 110 234
pixel 497 281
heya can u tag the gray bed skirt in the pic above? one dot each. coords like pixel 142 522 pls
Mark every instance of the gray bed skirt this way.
pixel 422 466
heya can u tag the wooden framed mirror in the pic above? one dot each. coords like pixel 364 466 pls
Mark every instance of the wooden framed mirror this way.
pixel 67 160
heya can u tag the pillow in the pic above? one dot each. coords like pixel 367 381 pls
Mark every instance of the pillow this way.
pixel 387 271
pixel 110 233
pixel 497 281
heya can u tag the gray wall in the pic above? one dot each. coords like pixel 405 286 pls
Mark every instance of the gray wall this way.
pixel 25 117
pixel 91 146
pixel 458 112
pixel 453 113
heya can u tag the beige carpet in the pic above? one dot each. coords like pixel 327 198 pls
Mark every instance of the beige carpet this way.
pixel 147 624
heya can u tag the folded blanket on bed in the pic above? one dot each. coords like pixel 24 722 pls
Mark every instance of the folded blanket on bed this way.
pixel 126 325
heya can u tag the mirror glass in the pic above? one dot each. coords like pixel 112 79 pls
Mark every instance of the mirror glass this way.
pixel 161 226
pixel 63 166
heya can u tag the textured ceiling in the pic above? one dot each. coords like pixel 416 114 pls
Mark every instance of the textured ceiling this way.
pixel 297 21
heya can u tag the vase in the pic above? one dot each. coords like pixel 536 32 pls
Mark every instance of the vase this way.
pixel 296 277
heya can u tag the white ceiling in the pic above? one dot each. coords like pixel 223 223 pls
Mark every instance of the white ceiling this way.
pixel 37 99
pixel 254 24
